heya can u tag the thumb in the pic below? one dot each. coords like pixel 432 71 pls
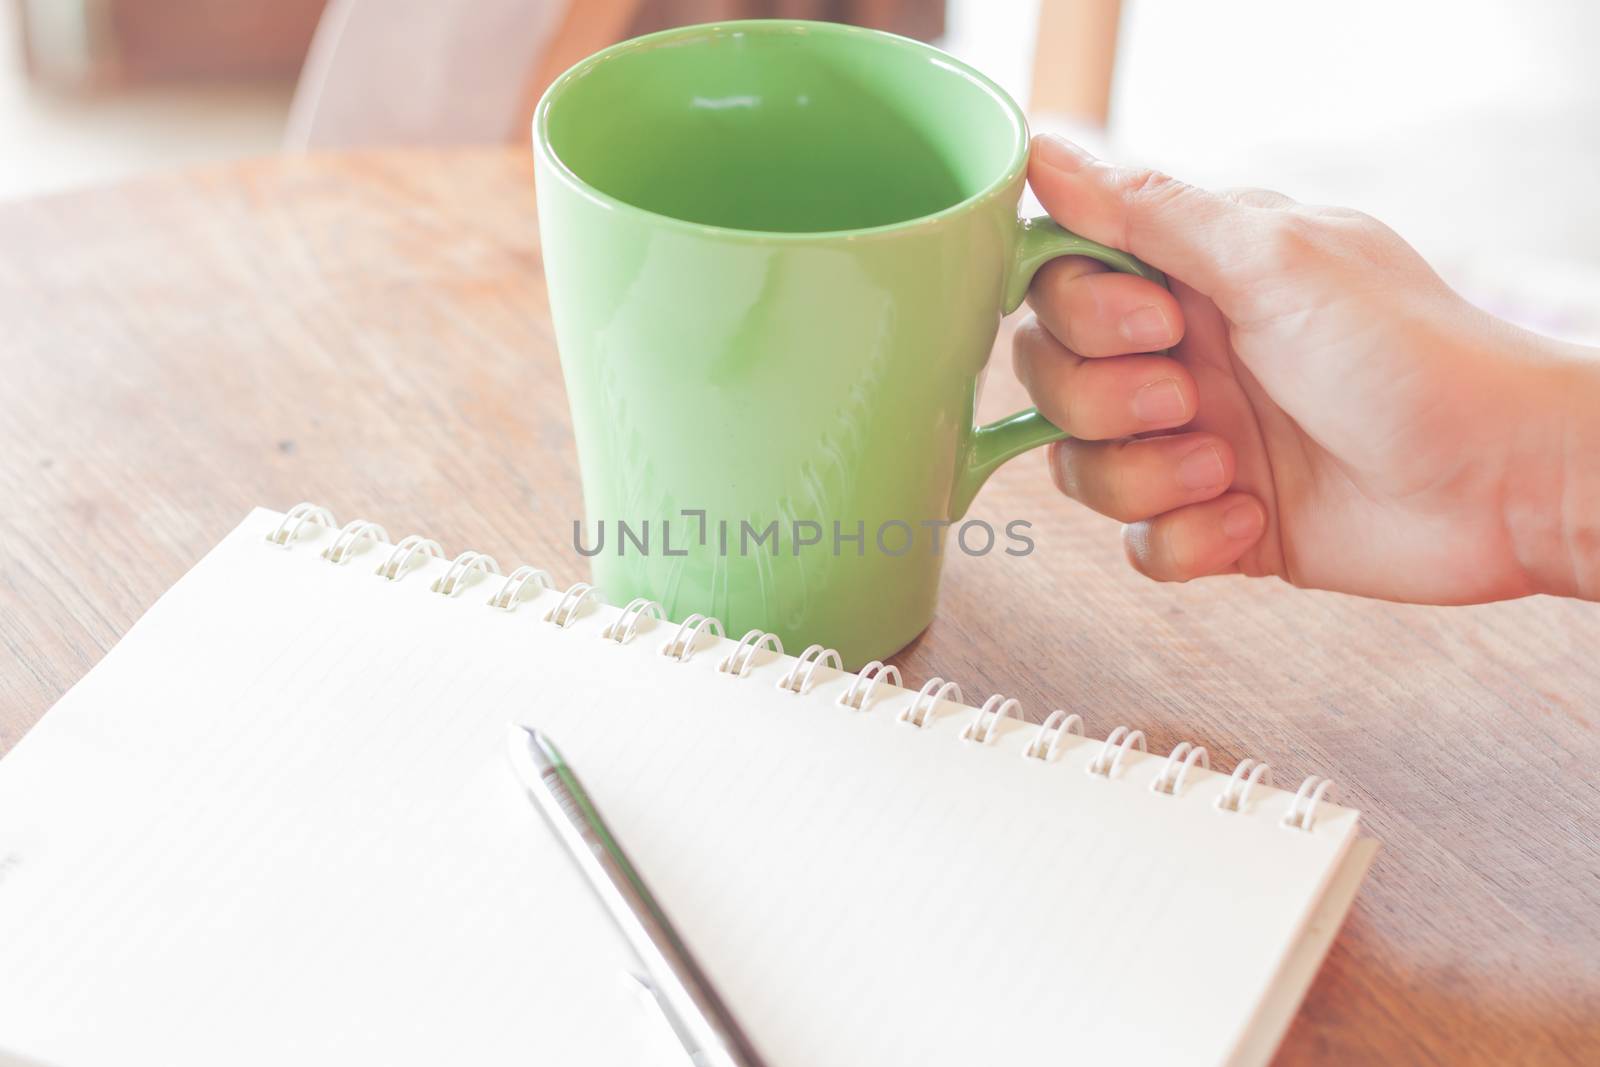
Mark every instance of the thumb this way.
pixel 1206 241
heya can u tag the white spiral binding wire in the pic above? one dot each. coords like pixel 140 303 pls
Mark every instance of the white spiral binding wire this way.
pixel 510 592
pixel 1302 813
pixel 566 612
pixel 934 690
pixel 1249 772
pixel 1062 724
pixel 354 537
pixel 872 676
pixel 1116 745
pixel 813 657
pixel 983 725
pixel 1173 772
pixel 461 572
pixel 623 628
pixel 407 552
pixel 296 518
pixel 743 657
pixel 681 647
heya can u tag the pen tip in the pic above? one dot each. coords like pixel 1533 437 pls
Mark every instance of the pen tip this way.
pixel 527 743
pixel 525 752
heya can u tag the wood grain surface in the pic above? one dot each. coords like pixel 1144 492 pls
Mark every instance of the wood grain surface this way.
pixel 370 332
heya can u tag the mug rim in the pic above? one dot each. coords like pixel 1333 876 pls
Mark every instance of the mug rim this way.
pixel 1014 168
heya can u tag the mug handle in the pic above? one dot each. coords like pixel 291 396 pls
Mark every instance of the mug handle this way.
pixel 1039 241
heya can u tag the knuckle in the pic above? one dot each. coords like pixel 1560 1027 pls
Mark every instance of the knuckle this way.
pixel 1020 367
pixel 1090 473
pixel 1117 487
pixel 1144 183
pixel 1168 554
pixel 1139 544
pixel 1026 338
pixel 1072 329
pixel 1054 279
pixel 1312 239
pixel 1292 241
pixel 1064 469
pixel 1369 241
pixel 1136 546
pixel 1083 412
pixel 1250 196
pixel 1055 463
pixel 1033 339
pixel 1348 215
pixel 1346 225
pixel 1031 346
pixel 1056 299
pixel 1145 194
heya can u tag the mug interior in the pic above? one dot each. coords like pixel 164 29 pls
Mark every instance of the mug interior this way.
pixel 782 127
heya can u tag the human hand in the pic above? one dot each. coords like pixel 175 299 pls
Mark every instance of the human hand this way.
pixel 1329 411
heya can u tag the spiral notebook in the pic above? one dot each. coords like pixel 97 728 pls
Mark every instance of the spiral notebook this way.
pixel 276 825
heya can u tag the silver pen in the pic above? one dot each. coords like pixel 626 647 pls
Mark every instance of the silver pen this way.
pixel 709 1033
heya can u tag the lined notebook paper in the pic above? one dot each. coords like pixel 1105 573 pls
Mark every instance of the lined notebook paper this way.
pixel 276 825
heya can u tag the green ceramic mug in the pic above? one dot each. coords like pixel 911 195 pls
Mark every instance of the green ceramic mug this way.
pixel 777 255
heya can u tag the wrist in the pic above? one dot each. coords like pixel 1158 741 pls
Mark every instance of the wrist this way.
pixel 1551 499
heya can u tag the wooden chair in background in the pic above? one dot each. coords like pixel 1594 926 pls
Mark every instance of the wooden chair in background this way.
pixel 470 71
pixel 1074 58
pixel 422 72
pixel 106 46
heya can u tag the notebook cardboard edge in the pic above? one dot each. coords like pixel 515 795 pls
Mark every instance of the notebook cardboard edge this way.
pixel 1303 962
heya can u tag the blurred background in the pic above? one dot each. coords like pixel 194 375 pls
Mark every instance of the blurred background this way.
pixel 1471 126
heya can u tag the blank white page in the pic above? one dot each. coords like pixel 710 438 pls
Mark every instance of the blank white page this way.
pixel 277 824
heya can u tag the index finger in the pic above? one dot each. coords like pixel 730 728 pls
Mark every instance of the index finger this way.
pixel 1097 313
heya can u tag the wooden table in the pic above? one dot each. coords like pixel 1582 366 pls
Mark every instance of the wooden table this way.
pixel 370 332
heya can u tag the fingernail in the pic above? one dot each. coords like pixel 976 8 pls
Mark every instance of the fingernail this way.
pixel 1201 469
pixel 1160 403
pixel 1060 153
pixel 1146 327
pixel 1241 521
